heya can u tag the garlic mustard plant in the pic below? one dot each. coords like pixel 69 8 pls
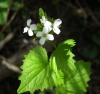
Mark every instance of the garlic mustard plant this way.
pixel 59 70
pixel 30 27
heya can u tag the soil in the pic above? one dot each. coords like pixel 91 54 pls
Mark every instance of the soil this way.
pixel 80 21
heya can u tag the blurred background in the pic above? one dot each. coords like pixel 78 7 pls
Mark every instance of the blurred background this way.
pixel 80 21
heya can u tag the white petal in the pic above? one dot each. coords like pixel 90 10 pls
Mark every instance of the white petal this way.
pixel 33 27
pixel 42 41
pixel 49 28
pixel 43 20
pixel 25 29
pixel 30 32
pixel 39 34
pixel 45 30
pixel 57 22
pixel 47 24
pixel 50 37
pixel 29 22
pixel 56 30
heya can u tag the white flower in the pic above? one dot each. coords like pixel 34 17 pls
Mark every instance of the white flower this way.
pixel 30 27
pixel 54 26
pixel 43 20
pixel 44 34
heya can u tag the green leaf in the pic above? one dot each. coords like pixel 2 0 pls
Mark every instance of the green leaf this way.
pixel 37 72
pixel 41 12
pixel 57 75
pixel 77 80
pixel 64 56
pixel 17 5
pixel 4 3
pixel 3 16
pixel 69 42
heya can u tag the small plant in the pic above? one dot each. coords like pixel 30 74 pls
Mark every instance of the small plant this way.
pixel 60 70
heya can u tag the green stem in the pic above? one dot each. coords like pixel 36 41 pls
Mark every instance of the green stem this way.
pixel 54 45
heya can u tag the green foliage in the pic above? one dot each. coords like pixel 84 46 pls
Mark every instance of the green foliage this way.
pixel 64 56
pixel 16 5
pixel 37 72
pixel 3 10
pixel 42 13
pixel 4 4
pixel 76 82
pixel 61 70
pixel 39 25
pixel 3 16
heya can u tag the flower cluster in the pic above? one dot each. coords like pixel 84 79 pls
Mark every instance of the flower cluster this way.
pixel 46 32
